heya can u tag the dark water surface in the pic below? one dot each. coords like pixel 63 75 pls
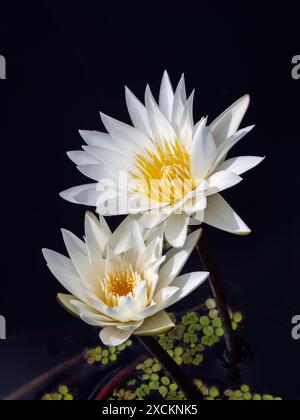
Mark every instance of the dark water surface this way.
pixel 66 61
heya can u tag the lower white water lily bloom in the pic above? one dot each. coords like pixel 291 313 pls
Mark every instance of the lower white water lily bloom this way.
pixel 121 282
pixel 174 169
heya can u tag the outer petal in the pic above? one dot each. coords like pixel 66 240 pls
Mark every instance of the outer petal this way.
pixel 228 145
pixel 176 230
pixel 83 194
pixel 228 123
pixel 161 127
pixel 222 180
pixel 158 324
pixel 112 336
pixel 203 152
pixel 188 283
pixel 138 113
pixel 81 158
pixel 166 96
pixel 240 165
pixel 189 245
pixel 220 215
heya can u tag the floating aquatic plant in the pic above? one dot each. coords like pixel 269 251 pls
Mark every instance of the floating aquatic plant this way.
pixel 61 393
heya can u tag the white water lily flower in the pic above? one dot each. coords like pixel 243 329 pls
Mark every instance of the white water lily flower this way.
pixel 186 161
pixel 121 282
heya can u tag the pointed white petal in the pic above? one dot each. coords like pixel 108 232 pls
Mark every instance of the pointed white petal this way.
pixel 222 180
pixel 82 194
pixel 81 158
pixel 171 269
pixel 161 127
pixel 203 152
pixel 189 244
pixel 176 231
pixel 188 283
pixel 158 324
pixel 220 215
pixel 228 145
pixel 166 96
pixel 179 102
pixel 128 138
pixel 151 220
pixel 112 336
pixel 96 240
pixel 78 253
pixel 138 113
pixel 97 172
pixel 228 123
pixel 97 139
pixel 240 165
pixel 187 121
pixel 65 302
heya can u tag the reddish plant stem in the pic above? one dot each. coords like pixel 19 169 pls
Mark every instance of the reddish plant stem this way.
pixel 119 378
pixel 45 377
pixel 234 352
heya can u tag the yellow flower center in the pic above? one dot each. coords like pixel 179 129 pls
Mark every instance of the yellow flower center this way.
pixel 164 175
pixel 118 284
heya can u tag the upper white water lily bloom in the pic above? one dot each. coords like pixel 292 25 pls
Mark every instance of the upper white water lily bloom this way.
pixel 165 167
pixel 121 282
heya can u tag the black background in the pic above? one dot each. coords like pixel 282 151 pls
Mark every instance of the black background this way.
pixel 67 61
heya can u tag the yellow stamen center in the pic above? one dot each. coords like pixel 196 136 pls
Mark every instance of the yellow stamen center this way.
pixel 118 284
pixel 164 175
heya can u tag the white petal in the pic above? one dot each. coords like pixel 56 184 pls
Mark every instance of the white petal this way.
pixel 82 194
pixel 187 121
pixel 240 165
pixel 79 256
pixel 138 113
pixel 97 172
pixel 130 326
pixel 158 324
pixel 222 180
pixel 65 302
pixel 188 283
pixel 97 139
pixel 96 239
pixel 220 215
pixel 122 239
pixel 111 159
pixel 151 220
pixel 166 96
pixel 112 336
pixel 127 137
pixel 171 269
pixel 179 102
pixel 203 152
pixel 189 244
pixel 176 231
pixel 81 158
pixel 225 147
pixel 228 123
pixel 161 128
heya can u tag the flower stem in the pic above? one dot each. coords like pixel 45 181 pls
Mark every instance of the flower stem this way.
pixel 234 351
pixel 179 377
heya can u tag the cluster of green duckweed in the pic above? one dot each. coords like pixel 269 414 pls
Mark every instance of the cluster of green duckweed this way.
pixel 61 393
pixel 244 394
pixel 186 343
pixel 194 333
pixel 105 355
pixel 150 380
pixel 209 394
